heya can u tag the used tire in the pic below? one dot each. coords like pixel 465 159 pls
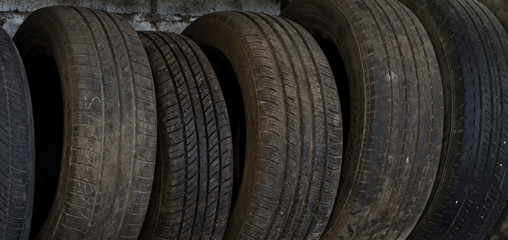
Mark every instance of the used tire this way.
pixel 500 9
pixel 381 54
pixel 273 73
pixel 500 231
pixel 192 190
pixel 95 112
pixel 472 184
pixel 16 144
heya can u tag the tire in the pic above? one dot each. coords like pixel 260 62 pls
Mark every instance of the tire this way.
pixel 472 184
pixel 16 144
pixel 95 112
pixel 191 195
pixel 500 9
pixel 500 230
pixel 292 137
pixel 384 62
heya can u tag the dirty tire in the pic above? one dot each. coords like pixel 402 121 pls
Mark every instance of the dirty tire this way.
pixel 500 9
pixel 396 113
pixel 500 231
pixel 192 189
pixel 293 127
pixel 108 120
pixel 472 184
pixel 16 144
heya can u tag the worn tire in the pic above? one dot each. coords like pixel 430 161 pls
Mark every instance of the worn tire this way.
pixel 16 144
pixel 192 190
pixel 500 230
pixel 381 51
pixel 500 9
pixel 93 93
pixel 472 184
pixel 292 117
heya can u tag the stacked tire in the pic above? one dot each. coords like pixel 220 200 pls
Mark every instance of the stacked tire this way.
pixel 471 191
pixel 191 196
pixel 95 121
pixel 340 119
pixel 16 144
pixel 292 142
pixel 395 113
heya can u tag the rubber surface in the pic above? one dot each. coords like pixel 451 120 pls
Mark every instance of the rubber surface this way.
pixel 16 144
pixel 108 124
pixel 500 9
pixel 191 196
pixel 396 112
pixel 292 118
pixel 472 185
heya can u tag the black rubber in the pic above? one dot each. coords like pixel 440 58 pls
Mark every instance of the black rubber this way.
pixel 380 52
pixel 500 9
pixel 94 110
pixel 500 230
pixel 292 137
pixel 191 195
pixel 472 184
pixel 16 144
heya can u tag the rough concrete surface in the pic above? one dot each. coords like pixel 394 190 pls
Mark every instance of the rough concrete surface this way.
pixel 144 15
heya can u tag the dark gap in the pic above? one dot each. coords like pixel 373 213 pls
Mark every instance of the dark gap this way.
pixel 339 72
pixel 46 93
pixel 236 112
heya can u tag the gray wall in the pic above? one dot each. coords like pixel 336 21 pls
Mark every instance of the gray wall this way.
pixel 161 15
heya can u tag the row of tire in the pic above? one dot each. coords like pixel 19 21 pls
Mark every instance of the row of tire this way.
pixel 354 119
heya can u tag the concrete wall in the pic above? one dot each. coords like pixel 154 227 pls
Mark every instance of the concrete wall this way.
pixel 161 15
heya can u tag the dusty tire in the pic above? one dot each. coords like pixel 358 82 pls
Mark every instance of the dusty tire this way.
pixel 500 9
pixel 16 144
pixel 382 55
pixel 192 189
pixel 292 117
pixel 94 106
pixel 472 184
pixel 500 230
